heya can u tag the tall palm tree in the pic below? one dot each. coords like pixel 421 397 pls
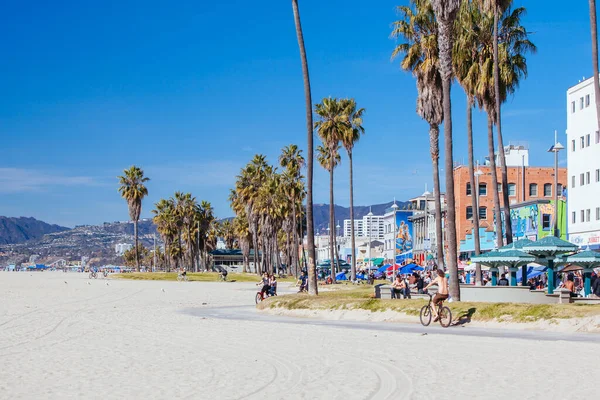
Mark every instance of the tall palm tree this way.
pixel 329 158
pixel 445 12
pixel 349 137
pixel 165 219
pixel 419 29
pixel 594 31
pixel 466 68
pixel 133 190
pixel 497 7
pixel 332 122
pixel 514 44
pixel 310 232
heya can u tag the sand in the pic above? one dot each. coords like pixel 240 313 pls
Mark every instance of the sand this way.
pixel 157 340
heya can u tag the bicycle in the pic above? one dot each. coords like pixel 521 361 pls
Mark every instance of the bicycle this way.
pixel 105 273
pixel 181 277
pixel 93 275
pixel 443 312
pixel 259 296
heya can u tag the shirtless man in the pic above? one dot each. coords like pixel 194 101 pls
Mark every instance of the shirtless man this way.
pixel 442 293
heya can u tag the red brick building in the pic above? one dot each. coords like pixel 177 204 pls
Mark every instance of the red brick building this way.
pixel 524 183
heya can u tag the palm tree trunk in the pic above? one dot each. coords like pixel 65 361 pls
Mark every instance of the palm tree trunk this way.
pixel 497 213
pixel 501 155
pixel 331 224
pixel 474 189
pixel 434 149
pixel 137 250
pixel 352 240
pixel 445 51
pixel 594 30
pixel 295 241
pixel 310 232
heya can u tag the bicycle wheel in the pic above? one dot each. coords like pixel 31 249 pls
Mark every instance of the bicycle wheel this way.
pixel 425 315
pixel 445 317
pixel 258 298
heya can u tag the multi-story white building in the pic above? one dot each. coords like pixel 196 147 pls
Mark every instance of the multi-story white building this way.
pixel 369 222
pixel 121 248
pixel 583 166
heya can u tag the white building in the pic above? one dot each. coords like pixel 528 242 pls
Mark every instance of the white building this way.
pixel 369 222
pixel 121 248
pixel 516 155
pixel 583 166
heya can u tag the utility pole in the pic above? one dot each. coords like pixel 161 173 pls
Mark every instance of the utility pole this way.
pixel 154 256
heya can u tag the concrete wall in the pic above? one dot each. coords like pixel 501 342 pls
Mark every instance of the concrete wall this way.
pixel 505 294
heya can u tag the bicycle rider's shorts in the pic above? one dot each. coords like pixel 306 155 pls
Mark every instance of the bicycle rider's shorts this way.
pixel 439 298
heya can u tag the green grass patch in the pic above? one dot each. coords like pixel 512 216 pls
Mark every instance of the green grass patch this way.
pixel 359 298
pixel 194 277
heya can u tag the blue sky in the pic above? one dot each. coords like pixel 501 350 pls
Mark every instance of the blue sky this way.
pixel 190 91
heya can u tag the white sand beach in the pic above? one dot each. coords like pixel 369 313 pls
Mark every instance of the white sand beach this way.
pixel 63 336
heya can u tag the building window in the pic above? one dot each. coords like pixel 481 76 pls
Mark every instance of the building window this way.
pixel 573 145
pixel 587 100
pixel 597 213
pixel 573 217
pixel 581 103
pixel 469 212
pixel 572 107
pixel 482 189
pixel 597 137
pixel 582 215
pixel 587 140
pixel 587 215
pixel 581 179
pixel 512 189
pixel 499 188
pixel 482 212
pixel 598 175
pixel 533 190
pixel 587 178
pixel 560 189
pixel 468 188
pixel 573 181
pixel 581 142
pixel 547 189
pixel 546 222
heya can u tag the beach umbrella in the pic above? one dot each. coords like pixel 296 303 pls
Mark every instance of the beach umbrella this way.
pixel 341 276
pixel 547 250
pixel 587 260
pixel 384 268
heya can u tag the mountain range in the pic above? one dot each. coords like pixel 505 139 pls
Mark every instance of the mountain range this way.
pixel 22 229
pixel 23 237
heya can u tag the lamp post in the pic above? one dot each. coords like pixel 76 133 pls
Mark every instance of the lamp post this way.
pixel 395 209
pixel 555 149
pixel 370 227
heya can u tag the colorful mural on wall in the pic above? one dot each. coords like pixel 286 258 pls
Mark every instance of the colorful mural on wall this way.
pixel 404 233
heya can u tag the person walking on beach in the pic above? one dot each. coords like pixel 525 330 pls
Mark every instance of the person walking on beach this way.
pixel 442 283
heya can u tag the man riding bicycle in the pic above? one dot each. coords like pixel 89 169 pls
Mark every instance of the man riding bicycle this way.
pixel 442 283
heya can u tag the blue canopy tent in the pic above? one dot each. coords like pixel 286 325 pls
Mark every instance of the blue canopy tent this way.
pixel 341 276
pixel 362 277
pixel 410 268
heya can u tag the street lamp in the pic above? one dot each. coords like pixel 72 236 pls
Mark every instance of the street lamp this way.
pixel 370 227
pixel 555 149
pixel 395 209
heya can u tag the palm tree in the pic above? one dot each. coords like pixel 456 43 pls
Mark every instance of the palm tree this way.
pixel 292 160
pixel 514 43
pixel 329 158
pixel 466 68
pixel 165 219
pixel 445 12
pixel 594 30
pixel 348 138
pixel 310 232
pixel 497 7
pixel 419 28
pixel 332 123
pixel 133 190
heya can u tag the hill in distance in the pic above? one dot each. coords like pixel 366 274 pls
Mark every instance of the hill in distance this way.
pixel 23 229
pixel 321 213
